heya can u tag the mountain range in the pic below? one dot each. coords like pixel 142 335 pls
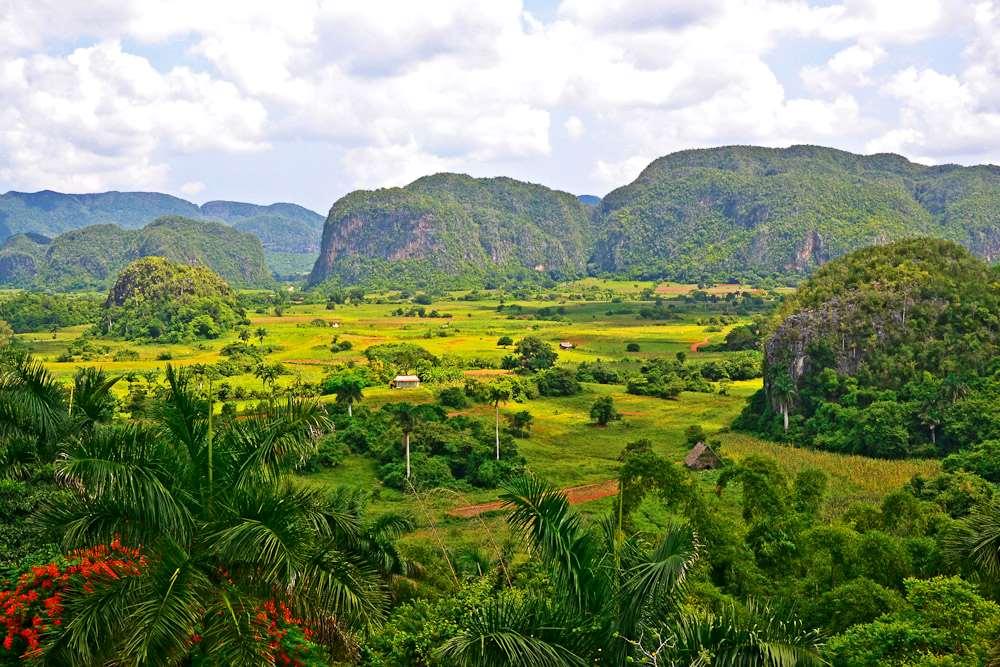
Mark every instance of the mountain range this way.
pixel 289 233
pixel 734 213
pixel 91 257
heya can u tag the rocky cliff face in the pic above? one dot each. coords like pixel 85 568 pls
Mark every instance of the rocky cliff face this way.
pixel 453 229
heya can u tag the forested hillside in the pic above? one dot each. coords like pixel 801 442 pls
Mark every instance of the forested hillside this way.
pixel 744 212
pixel 289 233
pixel 89 258
pixel 453 229
pixel 891 351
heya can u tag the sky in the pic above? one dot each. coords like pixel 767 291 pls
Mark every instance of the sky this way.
pixel 306 100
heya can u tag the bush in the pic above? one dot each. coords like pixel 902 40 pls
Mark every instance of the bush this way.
pixel 453 397
pixel 330 453
pixel 632 347
pixel 603 412
pixel 557 382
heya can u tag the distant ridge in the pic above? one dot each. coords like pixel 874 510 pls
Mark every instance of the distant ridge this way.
pixel 289 233
pixel 89 258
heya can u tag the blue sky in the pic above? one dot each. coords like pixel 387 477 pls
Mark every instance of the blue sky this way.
pixel 305 100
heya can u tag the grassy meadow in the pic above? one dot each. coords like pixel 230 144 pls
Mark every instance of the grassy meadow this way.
pixel 564 447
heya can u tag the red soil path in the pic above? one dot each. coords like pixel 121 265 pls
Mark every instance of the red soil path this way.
pixel 695 346
pixel 574 494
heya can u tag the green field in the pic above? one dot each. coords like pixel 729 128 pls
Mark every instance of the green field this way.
pixel 564 448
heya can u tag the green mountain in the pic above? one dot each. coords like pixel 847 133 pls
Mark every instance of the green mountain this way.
pixel 452 229
pixel 289 232
pixel 890 351
pixel 154 298
pixel 89 258
pixel 748 212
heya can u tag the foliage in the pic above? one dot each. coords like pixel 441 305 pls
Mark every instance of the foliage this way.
pixel 947 617
pixel 891 351
pixel 38 311
pixel 557 382
pixel 154 298
pixel 91 257
pixel 535 354
pixel 603 411
pixel 453 230
pixel 749 212
pixel 224 529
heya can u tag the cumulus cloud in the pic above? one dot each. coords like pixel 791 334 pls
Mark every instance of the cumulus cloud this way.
pixel 98 117
pixel 847 69
pixel 394 89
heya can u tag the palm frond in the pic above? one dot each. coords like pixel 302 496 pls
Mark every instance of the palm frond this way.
pixel 123 466
pixel 975 541
pixel 543 514
pixel 512 631
pixel 734 639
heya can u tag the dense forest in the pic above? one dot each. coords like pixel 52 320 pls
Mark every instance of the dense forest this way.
pixel 891 351
pixel 154 298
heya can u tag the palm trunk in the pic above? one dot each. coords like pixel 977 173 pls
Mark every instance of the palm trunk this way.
pixel 407 437
pixel 349 413
pixel 933 434
pixel 784 414
pixel 498 431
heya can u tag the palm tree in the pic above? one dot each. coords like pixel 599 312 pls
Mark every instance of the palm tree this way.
pixel 261 333
pixel 975 541
pixel 783 391
pixel 37 415
pixel 608 586
pixel 349 389
pixel 499 392
pixel 405 416
pixel 222 527
pixel 245 335
pixel 617 600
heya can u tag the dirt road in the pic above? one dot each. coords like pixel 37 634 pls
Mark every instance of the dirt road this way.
pixel 575 495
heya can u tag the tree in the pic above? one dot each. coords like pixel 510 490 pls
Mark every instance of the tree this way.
pixel 611 594
pixel 505 341
pixel 602 412
pixel 520 423
pixel 349 388
pixel 535 354
pixel 245 335
pixel 223 531
pixel 499 391
pixel 632 347
pixel 406 417
pixel 268 374
pixel 260 333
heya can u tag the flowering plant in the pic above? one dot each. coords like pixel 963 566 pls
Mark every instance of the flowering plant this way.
pixel 31 608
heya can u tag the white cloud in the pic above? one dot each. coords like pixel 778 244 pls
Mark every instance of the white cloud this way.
pixel 98 117
pixel 846 69
pixel 615 173
pixel 574 127
pixel 394 89
pixel 192 188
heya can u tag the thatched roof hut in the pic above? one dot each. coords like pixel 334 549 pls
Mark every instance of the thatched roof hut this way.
pixel 701 457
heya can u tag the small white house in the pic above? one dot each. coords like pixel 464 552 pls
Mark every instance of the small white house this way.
pixel 405 382
pixel 566 345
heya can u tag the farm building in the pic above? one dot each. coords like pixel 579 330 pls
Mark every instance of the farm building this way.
pixel 405 382
pixel 701 457
pixel 566 345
